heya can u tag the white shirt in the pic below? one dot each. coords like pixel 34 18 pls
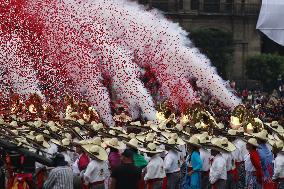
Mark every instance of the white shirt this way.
pixel 205 158
pixel 96 171
pixel 75 167
pixel 218 169
pixel 241 151
pixel 279 166
pixel 230 163
pixel 248 164
pixel 52 149
pixel 67 157
pixel 155 168
pixel 172 162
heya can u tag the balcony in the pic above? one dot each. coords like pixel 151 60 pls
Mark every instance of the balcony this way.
pixel 230 9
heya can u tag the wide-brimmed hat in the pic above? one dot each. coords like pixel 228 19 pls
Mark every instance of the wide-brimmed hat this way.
pixel 40 138
pixel 151 148
pixel 96 151
pixel 64 143
pixel 194 141
pixel 203 137
pixel 115 143
pixel 134 143
pixel 97 126
pixel 276 127
pixel 223 143
pixel 174 136
pixel 158 128
pixel 253 142
pixel 150 137
pixel 262 135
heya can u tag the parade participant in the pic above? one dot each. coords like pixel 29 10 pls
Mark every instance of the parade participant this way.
pixel 139 160
pixel 205 155
pixel 266 158
pixel 80 165
pixel 253 166
pixel 172 165
pixel 61 176
pixel 155 171
pixel 236 137
pixel 114 158
pixel 126 175
pixel 218 170
pixel 230 165
pixel 278 175
pixel 97 169
pixel 193 165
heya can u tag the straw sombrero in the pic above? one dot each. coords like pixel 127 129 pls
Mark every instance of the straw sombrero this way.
pixel 151 148
pixel 253 142
pixel 134 143
pixel 194 141
pixel 96 151
pixel 275 126
pixel 150 137
pixel 223 143
pixel 115 143
pixel 263 135
pixel 174 136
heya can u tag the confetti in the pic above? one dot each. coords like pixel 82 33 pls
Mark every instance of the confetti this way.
pixel 99 50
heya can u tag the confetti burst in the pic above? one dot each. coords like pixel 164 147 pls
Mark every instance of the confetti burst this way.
pixel 54 47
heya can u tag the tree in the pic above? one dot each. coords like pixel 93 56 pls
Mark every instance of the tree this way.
pixel 265 68
pixel 217 45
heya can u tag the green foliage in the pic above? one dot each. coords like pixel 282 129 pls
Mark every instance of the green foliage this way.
pixel 265 68
pixel 217 45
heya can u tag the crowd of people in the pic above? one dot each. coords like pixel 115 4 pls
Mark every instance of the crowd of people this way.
pixel 192 150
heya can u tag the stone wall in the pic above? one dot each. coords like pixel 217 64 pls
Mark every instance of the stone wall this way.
pixel 241 22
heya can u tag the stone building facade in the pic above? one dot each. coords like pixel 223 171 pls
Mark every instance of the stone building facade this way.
pixel 236 16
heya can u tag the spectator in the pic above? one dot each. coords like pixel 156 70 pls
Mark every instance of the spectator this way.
pixel 61 177
pixel 127 175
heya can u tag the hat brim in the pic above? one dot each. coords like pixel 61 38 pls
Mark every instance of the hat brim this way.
pixel 255 135
pixel 120 146
pixel 131 145
pixel 150 151
pixel 101 155
pixel 278 130
pixel 229 148
pixel 255 145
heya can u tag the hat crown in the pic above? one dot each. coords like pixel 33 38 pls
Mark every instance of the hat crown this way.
pixel 39 138
pixel 171 141
pixel 51 124
pixel 97 141
pixel 66 141
pixel 194 140
pixel 131 135
pixel 133 142
pixel 253 141
pixel 174 136
pixel 68 135
pixel 95 149
pixel 114 141
pixel 46 132
pixel 151 146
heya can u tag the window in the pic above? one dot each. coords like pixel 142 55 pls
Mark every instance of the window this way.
pixel 194 4
pixel 212 6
